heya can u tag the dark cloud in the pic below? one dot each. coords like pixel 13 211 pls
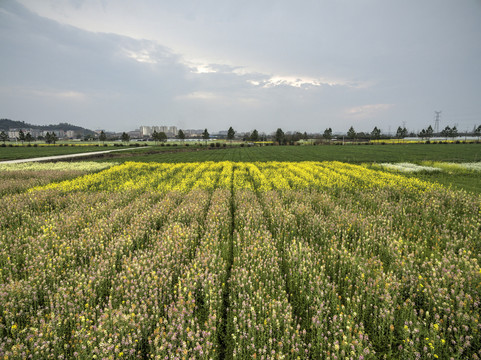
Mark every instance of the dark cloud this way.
pixel 299 66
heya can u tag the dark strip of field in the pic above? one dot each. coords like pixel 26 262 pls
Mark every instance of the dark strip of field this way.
pixel 347 153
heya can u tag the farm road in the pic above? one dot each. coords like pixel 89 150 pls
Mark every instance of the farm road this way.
pixel 68 156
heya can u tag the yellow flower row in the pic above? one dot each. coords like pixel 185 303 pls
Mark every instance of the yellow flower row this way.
pixel 260 176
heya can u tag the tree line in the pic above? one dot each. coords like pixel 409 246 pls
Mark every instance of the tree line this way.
pixel 279 136
pixel 50 137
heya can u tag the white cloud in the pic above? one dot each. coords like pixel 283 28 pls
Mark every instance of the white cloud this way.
pixel 142 56
pixel 270 81
pixel 201 68
pixel 365 111
pixel 199 95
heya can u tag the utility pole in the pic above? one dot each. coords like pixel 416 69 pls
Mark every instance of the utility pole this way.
pixel 436 121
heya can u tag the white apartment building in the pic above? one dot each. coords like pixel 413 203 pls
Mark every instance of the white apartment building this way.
pixel 149 130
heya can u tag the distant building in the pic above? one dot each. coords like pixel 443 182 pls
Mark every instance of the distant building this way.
pixel 134 134
pixel 149 130
pixel 193 132
pixel 145 131
pixel 71 134
pixel 14 133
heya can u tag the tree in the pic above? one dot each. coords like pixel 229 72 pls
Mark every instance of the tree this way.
pixel 21 136
pixel 162 136
pixel 3 137
pixel 181 135
pixel 102 136
pixel 454 132
pixel 351 133
pixel 401 132
pixel 446 132
pixel 254 136
pixel 422 134
pixel 279 136
pixel 477 132
pixel 159 136
pixel 327 134
pixel 125 137
pixel 376 133
pixel 205 135
pixel 429 132
pixel 230 134
pixel 155 136
pixel 50 138
pixel 28 138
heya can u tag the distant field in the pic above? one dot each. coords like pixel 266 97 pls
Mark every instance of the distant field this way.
pixel 24 152
pixel 347 153
pixel 416 153
pixel 358 154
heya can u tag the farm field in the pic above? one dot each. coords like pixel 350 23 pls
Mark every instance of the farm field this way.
pixel 16 178
pixel 231 260
pixel 26 152
pixel 348 153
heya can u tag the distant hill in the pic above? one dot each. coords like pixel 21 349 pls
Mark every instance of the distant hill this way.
pixel 6 124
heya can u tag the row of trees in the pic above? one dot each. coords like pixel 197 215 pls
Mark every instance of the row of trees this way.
pixel 401 133
pixel 279 136
pixel 282 138
pixel 50 138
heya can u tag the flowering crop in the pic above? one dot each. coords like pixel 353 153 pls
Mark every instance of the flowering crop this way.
pixel 240 261
pixel 57 166
pixel 252 176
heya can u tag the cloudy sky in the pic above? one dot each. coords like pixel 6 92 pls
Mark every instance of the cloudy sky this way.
pixel 299 65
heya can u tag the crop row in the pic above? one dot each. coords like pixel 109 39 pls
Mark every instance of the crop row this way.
pixel 162 177
pixel 260 264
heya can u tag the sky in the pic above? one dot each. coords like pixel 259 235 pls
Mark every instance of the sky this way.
pixel 253 64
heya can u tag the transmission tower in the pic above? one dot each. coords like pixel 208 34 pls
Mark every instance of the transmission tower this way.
pixel 436 121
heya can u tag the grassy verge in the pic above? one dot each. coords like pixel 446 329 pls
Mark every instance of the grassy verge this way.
pixel 468 180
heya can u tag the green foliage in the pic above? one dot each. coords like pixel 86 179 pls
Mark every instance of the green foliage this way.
pixel 51 138
pixel 280 136
pixel 376 133
pixel 230 133
pixel 401 132
pixel 125 137
pixel 21 136
pixel 351 133
pixel 181 135
pixel 102 136
pixel 205 135
pixel 477 132
pixel 327 134
pixel 3 137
